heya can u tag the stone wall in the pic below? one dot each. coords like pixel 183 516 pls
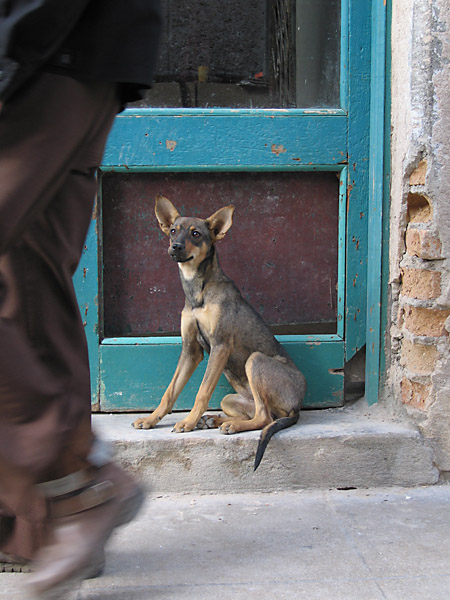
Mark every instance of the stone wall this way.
pixel 418 373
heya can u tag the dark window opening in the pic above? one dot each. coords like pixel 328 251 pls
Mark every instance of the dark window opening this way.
pixel 261 54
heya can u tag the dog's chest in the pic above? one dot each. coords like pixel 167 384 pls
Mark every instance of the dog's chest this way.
pixel 207 319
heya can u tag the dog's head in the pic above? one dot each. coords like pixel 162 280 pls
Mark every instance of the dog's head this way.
pixel 191 238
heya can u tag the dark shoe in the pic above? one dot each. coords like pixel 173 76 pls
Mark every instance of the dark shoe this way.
pixel 81 526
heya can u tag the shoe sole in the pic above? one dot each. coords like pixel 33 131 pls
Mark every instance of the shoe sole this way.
pixel 14 568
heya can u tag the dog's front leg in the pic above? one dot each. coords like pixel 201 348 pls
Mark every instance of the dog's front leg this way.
pixel 218 359
pixel 190 357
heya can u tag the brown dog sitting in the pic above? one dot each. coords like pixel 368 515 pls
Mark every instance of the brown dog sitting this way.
pixel 217 319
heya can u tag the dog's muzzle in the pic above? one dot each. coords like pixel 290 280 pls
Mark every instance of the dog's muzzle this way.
pixel 177 252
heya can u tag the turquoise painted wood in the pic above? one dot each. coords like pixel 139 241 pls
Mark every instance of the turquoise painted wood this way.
pixel 170 139
pixel 386 202
pixel 135 376
pixel 358 179
pixel 342 249
pixel 132 374
pixel 86 285
pixel 376 195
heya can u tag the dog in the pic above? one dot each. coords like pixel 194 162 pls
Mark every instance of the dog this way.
pixel 216 318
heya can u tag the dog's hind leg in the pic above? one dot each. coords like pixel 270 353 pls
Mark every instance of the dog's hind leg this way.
pixel 235 407
pixel 259 381
pixel 277 389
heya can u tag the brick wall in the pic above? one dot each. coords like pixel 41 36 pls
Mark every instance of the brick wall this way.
pixel 418 342
pixel 421 319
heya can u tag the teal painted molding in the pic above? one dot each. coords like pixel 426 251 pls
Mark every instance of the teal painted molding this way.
pixel 133 341
pixel 156 140
pixel 344 55
pixel 341 252
pixel 376 192
pixel 134 377
pixel 358 178
pixel 386 198
pixel 86 285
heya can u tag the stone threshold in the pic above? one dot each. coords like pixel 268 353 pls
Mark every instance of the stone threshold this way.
pixel 351 447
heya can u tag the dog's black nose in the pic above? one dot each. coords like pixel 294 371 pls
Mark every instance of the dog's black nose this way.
pixel 176 247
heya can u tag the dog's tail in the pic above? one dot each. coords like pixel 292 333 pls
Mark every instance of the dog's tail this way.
pixel 272 428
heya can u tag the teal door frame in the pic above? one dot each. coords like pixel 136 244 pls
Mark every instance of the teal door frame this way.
pixel 378 224
pixel 296 139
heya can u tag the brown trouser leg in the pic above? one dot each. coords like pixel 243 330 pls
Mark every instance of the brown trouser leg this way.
pixel 52 138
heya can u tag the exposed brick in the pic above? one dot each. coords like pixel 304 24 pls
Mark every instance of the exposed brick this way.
pixel 419 208
pixel 418 176
pixel 421 284
pixel 426 321
pixel 419 358
pixel 413 242
pixel 415 394
pixel 423 243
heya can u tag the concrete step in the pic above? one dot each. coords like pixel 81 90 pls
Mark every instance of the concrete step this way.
pixel 335 448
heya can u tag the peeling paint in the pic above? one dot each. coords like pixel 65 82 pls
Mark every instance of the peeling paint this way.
pixel 339 371
pixel 171 145
pixel 278 149
pixel 356 241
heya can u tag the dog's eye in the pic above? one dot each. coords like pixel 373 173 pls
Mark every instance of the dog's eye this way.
pixel 173 231
pixel 196 233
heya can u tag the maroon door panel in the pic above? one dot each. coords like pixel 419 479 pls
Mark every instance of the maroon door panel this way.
pixel 281 251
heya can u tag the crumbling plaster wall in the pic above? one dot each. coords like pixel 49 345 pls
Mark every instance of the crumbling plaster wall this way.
pixel 418 372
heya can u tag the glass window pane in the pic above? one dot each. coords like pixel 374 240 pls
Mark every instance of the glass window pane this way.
pixel 317 48
pixel 260 54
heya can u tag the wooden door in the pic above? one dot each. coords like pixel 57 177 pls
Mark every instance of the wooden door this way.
pixel 265 107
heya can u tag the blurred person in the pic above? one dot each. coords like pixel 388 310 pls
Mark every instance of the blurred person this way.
pixel 66 69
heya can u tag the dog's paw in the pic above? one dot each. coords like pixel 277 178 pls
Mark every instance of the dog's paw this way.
pixel 208 422
pixel 227 428
pixel 144 423
pixel 183 427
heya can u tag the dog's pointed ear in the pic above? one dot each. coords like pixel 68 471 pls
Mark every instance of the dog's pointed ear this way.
pixel 166 213
pixel 220 222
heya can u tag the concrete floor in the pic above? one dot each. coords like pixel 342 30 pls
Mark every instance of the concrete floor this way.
pixel 364 544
